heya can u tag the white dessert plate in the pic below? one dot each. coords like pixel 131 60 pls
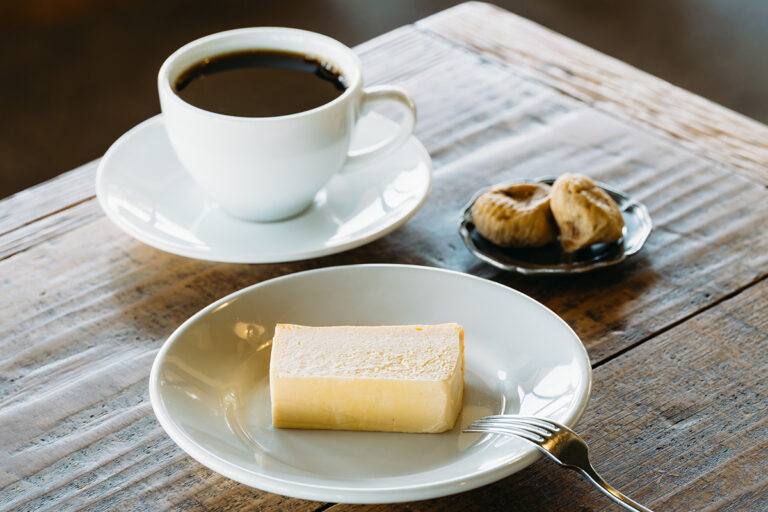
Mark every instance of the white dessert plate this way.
pixel 144 189
pixel 210 384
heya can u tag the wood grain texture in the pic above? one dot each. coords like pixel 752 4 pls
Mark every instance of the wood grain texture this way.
pixel 77 427
pixel 483 124
pixel 47 210
pixel 48 227
pixel 34 203
pixel 85 307
pixel 678 424
pixel 608 84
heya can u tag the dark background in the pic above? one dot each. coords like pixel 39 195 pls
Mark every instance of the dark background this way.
pixel 76 74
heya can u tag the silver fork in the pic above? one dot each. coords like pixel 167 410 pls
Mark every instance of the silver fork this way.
pixel 559 442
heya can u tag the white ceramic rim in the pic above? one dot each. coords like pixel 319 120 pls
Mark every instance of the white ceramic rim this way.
pixel 164 79
pixel 179 250
pixel 340 494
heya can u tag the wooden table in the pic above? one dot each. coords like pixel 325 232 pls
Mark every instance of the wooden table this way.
pixel 678 335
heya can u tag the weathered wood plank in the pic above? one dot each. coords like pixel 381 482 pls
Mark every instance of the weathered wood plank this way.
pixel 607 83
pixel 49 227
pixel 677 423
pixel 483 124
pixel 34 203
pixel 63 447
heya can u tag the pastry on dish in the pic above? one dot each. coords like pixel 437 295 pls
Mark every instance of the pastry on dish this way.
pixel 584 212
pixel 396 378
pixel 515 215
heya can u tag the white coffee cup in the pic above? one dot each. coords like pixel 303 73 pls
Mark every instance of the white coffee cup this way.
pixel 271 168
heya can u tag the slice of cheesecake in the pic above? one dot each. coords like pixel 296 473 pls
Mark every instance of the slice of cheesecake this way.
pixel 404 378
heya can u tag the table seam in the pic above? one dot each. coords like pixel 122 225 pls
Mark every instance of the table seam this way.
pixel 618 116
pixel 728 296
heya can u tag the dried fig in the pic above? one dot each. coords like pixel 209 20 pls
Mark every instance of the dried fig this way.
pixel 515 215
pixel 584 212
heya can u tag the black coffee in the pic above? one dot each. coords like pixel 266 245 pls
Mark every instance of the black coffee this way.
pixel 260 83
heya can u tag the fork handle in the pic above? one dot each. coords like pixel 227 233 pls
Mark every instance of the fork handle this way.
pixel 611 492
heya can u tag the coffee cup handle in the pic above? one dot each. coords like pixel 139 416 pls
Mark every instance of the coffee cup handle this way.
pixel 379 95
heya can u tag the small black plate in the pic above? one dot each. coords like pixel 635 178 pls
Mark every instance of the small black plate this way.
pixel 551 258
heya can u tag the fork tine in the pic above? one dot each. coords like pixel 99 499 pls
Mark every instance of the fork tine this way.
pixel 510 422
pixel 510 431
pixel 549 425
pixel 543 423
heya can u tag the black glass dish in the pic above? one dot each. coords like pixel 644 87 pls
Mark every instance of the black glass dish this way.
pixel 551 258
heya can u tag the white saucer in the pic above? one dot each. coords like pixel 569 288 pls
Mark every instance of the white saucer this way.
pixel 143 188
pixel 209 384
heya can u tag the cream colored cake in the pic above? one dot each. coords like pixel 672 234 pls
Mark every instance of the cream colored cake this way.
pixel 405 378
